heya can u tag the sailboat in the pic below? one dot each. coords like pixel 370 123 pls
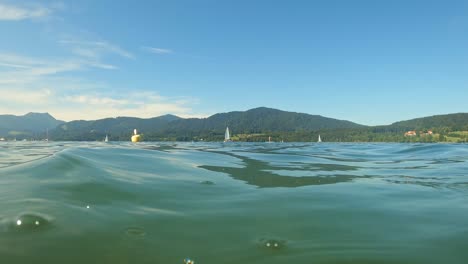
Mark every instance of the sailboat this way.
pixel 319 139
pixel 227 137
pixel 106 139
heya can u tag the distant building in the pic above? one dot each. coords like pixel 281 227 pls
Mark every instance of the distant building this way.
pixel 410 133
pixel 427 133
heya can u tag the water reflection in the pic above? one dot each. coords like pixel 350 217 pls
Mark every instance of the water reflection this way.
pixel 259 173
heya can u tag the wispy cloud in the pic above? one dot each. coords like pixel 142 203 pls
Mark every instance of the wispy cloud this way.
pixel 23 68
pixel 15 13
pixel 17 61
pixel 102 65
pixel 4 64
pixel 142 104
pixel 92 106
pixel 60 86
pixel 95 49
pixel 17 72
pixel 92 52
pixel 31 84
pixel 31 98
pixel 84 52
pixel 157 50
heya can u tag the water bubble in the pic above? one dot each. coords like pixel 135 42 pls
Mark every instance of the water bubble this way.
pixel 272 243
pixel 189 261
pixel 30 222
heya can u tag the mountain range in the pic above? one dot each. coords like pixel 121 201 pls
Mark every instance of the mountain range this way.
pixel 170 127
pixel 26 126
pixel 252 125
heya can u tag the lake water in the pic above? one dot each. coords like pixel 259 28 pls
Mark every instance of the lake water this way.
pixel 233 203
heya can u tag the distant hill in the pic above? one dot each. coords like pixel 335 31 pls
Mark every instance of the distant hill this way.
pixel 261 120
pixel 169 127
pixel 114 127
pixel 445 128
pixel 454 122
pixel 28 125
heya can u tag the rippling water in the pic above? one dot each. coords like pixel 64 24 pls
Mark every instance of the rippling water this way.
pixel 233 203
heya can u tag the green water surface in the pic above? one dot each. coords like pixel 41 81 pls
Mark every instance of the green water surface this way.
pixel 233 203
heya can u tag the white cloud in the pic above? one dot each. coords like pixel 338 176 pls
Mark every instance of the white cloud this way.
pixel 15 13
pixel 12 65
pixel 157 50
pixel 94 49
pixel 22 97
pixel 142 104
pixel 95 100
pixel 17 69
pixel 46 66
pixel 16 61
pixel 89 53
pixel 66 104
pixel 38 84
pixel 19 72
pixel 102 66
pixel 56 68
pixel 31 84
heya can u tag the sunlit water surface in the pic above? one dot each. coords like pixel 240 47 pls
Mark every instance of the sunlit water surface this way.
pixel 233 203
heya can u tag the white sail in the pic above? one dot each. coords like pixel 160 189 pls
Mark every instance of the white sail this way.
pixel 227 137
pixel 106 139
pixel 319 139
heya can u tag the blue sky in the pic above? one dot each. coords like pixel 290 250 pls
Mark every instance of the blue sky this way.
pixel 371 62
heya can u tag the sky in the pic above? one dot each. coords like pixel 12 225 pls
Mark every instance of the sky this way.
pixel 371 62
